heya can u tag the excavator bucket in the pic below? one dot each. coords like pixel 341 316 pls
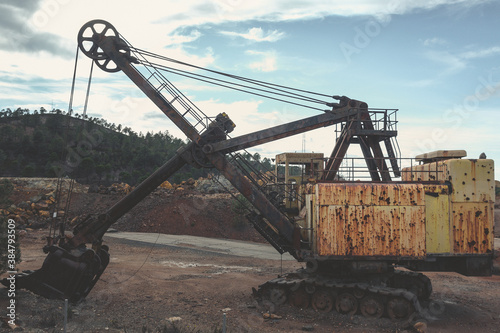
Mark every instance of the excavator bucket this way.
pixel 64 274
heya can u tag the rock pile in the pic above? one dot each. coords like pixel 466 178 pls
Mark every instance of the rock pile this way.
pixel 117 188
pixel 35 212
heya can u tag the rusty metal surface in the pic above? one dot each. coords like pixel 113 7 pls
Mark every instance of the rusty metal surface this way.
pixel 472 227
pixel 108 45
pixel 256 197
pixel 363 219
pixel 466 215
pixel 368 133
pixel 437 217
pixel 283 131
pixel 441 155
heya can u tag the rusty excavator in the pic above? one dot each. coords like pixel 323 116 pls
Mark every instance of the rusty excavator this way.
pixel 363 242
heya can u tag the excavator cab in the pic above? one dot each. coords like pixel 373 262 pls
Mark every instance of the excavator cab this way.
pixel 293 170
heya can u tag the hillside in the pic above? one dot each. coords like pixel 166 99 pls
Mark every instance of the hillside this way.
pixel 90 150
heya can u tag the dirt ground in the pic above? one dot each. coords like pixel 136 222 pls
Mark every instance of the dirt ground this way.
pixel 151 288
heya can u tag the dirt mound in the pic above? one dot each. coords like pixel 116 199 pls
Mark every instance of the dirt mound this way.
pixel 195 208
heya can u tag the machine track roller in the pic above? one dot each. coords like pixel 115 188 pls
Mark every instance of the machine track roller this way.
pixel 346 303
pixel 277 295
pixel 299 298
pixel 322 300
pixel 399 308
pixel 372 306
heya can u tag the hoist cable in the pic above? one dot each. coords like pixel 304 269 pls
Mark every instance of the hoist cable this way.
pixel 58 192
pixel 258 84
pixel 238 89
pixel 248 80
pixel 70 106
pixel 88 90
pixel 227 84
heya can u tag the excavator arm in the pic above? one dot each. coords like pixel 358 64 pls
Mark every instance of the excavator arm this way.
pixel 71 269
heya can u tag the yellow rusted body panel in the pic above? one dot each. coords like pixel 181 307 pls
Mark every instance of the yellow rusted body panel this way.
pixel 437 215
pixel 472 228
pixel 453 215
pixel 460 222
pixel 366 219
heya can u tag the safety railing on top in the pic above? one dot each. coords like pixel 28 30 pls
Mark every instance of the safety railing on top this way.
pixel 356 169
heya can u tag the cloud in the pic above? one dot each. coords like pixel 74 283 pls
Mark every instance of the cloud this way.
pixel 22 22
pixel 268 63
pixel 455 63
pixel 177 38
pixel 434 41
pixel 495 50
pixel 257 35
pixel 452 64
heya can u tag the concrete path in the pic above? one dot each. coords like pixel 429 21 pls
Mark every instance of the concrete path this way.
pixel 221 246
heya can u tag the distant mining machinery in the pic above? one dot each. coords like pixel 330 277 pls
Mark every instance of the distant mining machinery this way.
pixel 353 235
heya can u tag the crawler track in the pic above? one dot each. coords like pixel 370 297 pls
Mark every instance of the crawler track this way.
pixel 396 295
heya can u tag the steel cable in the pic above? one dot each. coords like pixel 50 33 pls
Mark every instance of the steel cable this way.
pixel 276 89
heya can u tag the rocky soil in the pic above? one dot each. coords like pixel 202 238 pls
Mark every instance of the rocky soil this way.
pixel 148 288
pixel 198 208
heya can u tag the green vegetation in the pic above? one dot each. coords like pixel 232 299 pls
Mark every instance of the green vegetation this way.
pixel 53 144
pixel 91 150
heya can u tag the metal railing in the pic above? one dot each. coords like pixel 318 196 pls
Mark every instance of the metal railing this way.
pixel 356 169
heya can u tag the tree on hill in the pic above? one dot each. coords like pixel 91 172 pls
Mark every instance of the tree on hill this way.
pixel 91 150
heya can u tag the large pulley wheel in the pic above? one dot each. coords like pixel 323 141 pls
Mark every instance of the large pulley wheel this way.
pixel 89 36
pixel 200 157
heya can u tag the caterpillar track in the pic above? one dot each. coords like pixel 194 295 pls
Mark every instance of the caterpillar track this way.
pixel 397 295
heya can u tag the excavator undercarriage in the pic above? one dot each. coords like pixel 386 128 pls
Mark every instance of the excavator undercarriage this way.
pixel 354 237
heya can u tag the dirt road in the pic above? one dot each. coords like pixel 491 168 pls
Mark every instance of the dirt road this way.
pixel 161 288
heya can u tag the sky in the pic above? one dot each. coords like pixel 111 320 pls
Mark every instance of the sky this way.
pixel 436 61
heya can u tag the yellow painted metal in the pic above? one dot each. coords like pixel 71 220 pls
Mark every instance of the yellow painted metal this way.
pixel 366 219
pixel 449 210
pixel 472 227
pixel 437 224
pixel 463 219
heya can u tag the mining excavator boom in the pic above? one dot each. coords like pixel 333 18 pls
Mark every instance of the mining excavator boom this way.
pixel 351 235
